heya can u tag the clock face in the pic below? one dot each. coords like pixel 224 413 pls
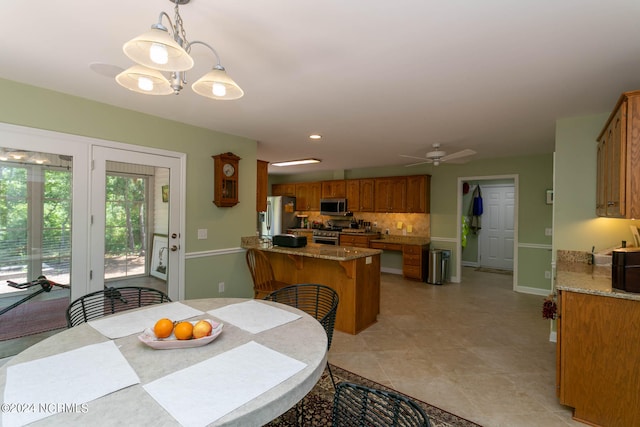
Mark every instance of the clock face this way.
pixel 228 169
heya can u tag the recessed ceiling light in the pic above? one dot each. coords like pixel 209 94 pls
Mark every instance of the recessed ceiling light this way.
pixel 315 136
pixel 296 162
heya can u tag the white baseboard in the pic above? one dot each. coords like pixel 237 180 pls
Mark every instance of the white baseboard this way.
pixel 391 270
pixel 533 291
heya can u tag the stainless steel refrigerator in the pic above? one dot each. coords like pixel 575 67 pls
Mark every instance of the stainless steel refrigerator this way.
pixel 279 216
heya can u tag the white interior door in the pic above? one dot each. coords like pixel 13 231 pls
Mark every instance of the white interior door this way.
pixel 154 212
pixel 497 233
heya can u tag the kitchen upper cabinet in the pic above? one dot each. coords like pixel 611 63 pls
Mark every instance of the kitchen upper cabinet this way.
pixel 352 188
pixel 418 193
pixel 390 194
pixel 335 189
pixel 262 185
pixel 283 190
pixel 308 196
pixel 367 195
pixel 618 164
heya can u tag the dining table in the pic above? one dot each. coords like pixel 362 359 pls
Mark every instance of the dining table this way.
pixel 263 358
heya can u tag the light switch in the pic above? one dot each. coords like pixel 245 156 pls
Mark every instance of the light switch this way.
pixel 399 225
pixel 548 231
pixel 202 233
pixel 409 228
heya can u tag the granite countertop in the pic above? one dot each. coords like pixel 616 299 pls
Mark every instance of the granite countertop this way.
pixel 575 274
pixel 315 250
pixel 403 240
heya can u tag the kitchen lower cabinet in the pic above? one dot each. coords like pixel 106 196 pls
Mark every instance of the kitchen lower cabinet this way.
pixel 357 240
pixel 415 259
pixel 597 358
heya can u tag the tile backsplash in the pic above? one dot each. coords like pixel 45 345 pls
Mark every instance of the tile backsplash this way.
pixel 419 224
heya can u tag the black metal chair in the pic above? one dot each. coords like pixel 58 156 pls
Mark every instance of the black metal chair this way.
pixel 355 405
pixel 319 301
pixel 111 300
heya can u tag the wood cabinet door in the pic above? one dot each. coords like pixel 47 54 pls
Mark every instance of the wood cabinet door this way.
pixel 398 195
pixel 353 194
pixel 417 194
pixel 262 185
pixel 302 197
pixel 382 191
pixel 601 177
pixel 616 170
pixel 283 190
pixel 334 189
pixel 367 191
pixel 308 196
pixel 315 194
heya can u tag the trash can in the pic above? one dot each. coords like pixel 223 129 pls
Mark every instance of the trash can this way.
pixel 446 263
pixel 438 266
pixel 434 275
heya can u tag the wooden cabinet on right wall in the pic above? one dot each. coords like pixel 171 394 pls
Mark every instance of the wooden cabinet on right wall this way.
pixel 618 164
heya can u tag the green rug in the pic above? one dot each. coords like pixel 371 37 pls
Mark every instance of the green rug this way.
pixel 319 402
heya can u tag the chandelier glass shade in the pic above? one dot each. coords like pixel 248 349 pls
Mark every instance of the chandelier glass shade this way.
pixel 159 50
pixel 144 80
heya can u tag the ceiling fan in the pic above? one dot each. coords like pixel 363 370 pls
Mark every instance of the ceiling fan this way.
pixel 437 156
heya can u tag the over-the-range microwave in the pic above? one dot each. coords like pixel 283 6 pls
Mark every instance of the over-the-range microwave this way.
pixel 334 207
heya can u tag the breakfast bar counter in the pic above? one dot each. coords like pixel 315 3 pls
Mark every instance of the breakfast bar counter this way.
pixel 354 273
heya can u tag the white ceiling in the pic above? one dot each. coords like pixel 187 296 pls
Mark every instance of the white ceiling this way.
pixel 375 78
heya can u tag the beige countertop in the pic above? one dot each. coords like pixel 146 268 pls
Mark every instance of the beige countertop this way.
pixel 315 250
pixel 577 276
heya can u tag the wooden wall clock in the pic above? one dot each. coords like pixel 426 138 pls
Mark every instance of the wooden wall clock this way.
pixel 225 180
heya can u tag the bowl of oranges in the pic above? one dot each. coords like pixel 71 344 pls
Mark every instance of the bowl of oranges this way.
pixel 169 334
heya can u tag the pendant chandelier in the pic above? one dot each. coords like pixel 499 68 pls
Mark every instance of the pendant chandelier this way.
pixel 158 51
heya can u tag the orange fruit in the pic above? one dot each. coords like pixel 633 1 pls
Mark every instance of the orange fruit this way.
pixel 163 328
pixel 183 331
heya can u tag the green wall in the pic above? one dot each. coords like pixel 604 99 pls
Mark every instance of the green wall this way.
pixel 44 109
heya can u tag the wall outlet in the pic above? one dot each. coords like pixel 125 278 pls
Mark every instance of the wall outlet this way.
pixel 547 275
pixel 202 233
pixel 375 224
pixel 548 231
pixel 221 287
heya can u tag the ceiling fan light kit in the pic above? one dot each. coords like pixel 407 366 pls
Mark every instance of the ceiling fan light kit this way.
pixel 158 50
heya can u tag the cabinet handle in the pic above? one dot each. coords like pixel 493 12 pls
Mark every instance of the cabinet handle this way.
pixel 611 203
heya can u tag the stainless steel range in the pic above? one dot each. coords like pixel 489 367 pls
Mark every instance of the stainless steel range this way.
pixel 326 236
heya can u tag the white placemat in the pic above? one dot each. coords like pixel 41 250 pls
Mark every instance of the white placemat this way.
pixel 254 316
pixel 205 392
pixel 64 382
pixel 131 322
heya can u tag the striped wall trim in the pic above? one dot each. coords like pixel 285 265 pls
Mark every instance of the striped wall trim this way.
pixel 216 252
pixel 534 246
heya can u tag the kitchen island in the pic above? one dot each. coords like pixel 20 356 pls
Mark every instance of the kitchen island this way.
pixel 598 336
pixel 354 273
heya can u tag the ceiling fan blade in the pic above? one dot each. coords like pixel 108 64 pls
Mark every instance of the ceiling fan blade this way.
pixel 419 163
pixel 458 154
pixel 412 157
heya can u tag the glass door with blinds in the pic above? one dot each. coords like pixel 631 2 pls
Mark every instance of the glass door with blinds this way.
pixel 36 238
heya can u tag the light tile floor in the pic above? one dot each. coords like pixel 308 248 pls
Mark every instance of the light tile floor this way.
pixel 477 349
